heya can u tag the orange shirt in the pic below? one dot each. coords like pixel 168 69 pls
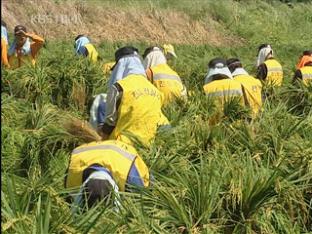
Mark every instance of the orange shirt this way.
pixel 18 59
pixel 4 53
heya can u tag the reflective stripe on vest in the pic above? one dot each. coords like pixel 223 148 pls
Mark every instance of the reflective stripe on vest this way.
pixel 275 69
pixel 231 92
pixel 105 147
pixel 160 76
pixel 224 90
pixel 306 73
pixel 168 82
pixel 306 76
pixel 115 156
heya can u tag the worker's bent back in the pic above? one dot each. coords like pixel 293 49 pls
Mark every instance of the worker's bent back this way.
pixel 115 156
pixel 224 90
pixel 274 72
pixel 139 113
pixel 252 91
pixel 168 82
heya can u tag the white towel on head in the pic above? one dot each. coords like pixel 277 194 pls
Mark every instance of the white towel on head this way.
pixel 262 55
pixel 154 58
pixel 239 71
pixel 100 175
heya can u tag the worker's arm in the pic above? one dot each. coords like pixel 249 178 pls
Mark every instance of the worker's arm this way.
pixel 149 74
pixel 4 53
pixel 262 72
pixel 114 96
pixel 297 76
pixel 134 178
pixel 37 43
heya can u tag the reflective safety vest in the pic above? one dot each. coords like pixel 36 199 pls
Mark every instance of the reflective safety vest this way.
pixel 306 74
pixel 252 90
pixel 92 53
pixel 274 72
pixel 224 90
pixel 139 113
pixel 168 82
pixel 115 156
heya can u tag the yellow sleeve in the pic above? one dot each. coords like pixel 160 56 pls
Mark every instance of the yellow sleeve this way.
pixel 4 53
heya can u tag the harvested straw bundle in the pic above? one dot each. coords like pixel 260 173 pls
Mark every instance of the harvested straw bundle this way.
pixel 81 129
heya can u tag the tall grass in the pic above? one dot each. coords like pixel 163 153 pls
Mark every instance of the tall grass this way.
pixel 232 176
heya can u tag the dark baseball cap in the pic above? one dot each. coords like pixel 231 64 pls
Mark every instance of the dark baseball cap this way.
pixel 233 63
pixel 19 28
pixel 124 51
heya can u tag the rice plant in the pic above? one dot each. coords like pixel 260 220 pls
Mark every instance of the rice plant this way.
pixel 230 174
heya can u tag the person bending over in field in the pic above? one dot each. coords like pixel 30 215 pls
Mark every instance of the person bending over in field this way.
pixel 220 85
pixel 127 61
pixel 251 86
pixel 162 76
pixel 4 45
pixel 168 50
pixel 84 47
pixel 25 47
pixel 270 71
pixel 304 68
pixel 133 107
pixel 99 170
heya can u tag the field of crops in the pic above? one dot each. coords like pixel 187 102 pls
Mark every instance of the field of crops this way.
pixel 235 176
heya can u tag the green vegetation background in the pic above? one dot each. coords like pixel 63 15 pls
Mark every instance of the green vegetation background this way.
pixel 235 176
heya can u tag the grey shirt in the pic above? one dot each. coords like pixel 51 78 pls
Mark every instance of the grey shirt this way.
pixel 113 100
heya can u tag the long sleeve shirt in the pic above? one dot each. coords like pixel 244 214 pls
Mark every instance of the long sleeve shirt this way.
pixel 114 96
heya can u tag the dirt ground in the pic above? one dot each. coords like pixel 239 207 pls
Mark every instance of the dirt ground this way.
pixel 66 19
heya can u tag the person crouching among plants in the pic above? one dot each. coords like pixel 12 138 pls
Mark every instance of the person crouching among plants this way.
pixel 304 68
pixel 84 47
pixel 169 52
pixel 133 108
pixel 269 71
pixel 252 87
pixel 25 47
pixel 100 170
pixel 162 76
pixel 221 87
pixel 127 61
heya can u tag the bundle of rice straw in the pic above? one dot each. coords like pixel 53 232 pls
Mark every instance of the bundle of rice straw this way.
pixel 81 129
